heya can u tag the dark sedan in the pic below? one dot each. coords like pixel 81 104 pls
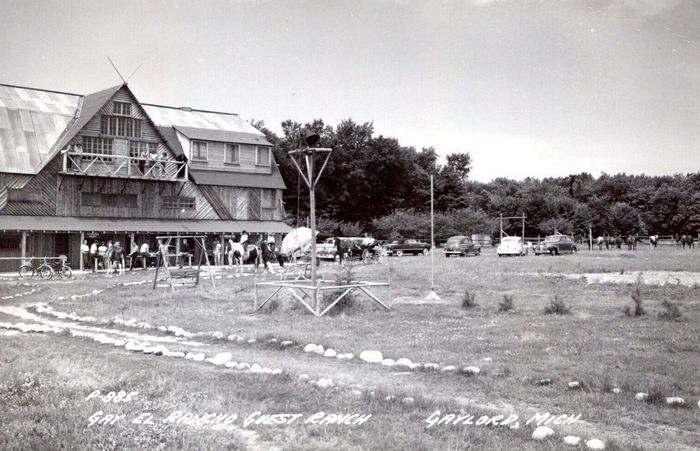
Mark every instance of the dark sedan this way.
pixel 461 245
pixel 555 245
pixel 408 246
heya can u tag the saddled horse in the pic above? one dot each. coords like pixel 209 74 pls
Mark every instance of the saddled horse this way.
pixel 687 240
pixel 631 242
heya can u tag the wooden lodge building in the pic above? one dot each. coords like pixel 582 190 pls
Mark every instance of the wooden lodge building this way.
pixel 104 166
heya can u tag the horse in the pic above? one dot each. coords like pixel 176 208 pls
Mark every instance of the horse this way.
pixel 687 240
pixel 631 242
pixel 653 241
pixel 600 241
pixel 236 252
pixel 618 241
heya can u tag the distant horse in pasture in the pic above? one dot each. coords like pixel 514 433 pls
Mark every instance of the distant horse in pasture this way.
pixel 601 242
pixel 631 242
pixel 653 241
pixel 687 240
pixel 618 241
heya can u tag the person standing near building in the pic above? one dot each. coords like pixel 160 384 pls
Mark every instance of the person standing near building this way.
pixel 133 254
pixel 85 251
pixel 144 253
pixel 102 254
pixel 94 256
pixel 217 253
pixel 116 258
pixel 184 252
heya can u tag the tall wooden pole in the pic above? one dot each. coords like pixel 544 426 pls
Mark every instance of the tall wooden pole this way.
pixel 312 207
pixel 432 237
pixel 523 228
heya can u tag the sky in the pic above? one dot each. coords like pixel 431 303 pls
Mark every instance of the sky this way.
pixel 530 88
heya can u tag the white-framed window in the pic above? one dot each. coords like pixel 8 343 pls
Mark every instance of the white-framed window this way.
pixel 262 156
pixel 121 108
pixel 121 126
pixel 138 148
pixel 232 154
pixel 93 145
pixel 199 150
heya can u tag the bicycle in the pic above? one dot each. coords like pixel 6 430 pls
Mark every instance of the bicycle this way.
pixel 46 270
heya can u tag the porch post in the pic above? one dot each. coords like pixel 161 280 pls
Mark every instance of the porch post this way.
pixel 82 238
pixel 24 246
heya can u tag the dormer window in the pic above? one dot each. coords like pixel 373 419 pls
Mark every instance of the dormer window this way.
pixel 199 150
pixel 263 156
pixel 233 154
pixel 122 108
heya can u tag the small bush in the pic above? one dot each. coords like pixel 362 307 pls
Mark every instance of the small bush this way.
pixel 637 309
pixel 557 307
pixel 671 312
pixel 343 276
pixel 468 300
pixel 507 304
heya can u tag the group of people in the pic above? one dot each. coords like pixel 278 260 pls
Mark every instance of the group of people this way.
pixel 111 256
pixel 238 249
pixel 155 165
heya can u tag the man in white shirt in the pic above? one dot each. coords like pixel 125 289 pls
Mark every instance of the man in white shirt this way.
pixel 85 250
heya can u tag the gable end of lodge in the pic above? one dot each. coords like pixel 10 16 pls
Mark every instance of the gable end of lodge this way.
pixel 104 166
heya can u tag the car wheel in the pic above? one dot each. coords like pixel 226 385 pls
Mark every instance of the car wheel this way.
pixel 553 251
pixel 478 252
pixel 399 253
pixel 426 251
pixel 574 250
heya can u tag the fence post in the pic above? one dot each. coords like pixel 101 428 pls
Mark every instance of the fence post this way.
pixel 24 246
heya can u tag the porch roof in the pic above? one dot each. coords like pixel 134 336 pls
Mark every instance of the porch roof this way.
pixel 129 225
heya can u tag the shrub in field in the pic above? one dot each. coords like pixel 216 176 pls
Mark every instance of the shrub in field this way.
pixel 343 276
pixel 507 304
pixel 637 309
pixel 468 300
pixel 670 311
pixel 557 307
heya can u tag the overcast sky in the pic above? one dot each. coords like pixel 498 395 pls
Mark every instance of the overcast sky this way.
pixel 529 88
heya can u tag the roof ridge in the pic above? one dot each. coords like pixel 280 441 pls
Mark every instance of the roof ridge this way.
pixel 41 89
pixel 188 109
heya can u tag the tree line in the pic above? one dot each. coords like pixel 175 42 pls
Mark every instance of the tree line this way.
pixel 374 184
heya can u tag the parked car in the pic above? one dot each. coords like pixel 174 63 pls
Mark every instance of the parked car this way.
pixel 461 245
pixel 327 249
pixel 407 246
pixel 511 245
pixel 555 245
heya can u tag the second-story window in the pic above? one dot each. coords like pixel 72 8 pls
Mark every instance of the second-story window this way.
pixel 92 145
pixel 142 149
pixel 262 156
pixel 233 154
pixel 121 108
pixel 199 150
pixel 121 126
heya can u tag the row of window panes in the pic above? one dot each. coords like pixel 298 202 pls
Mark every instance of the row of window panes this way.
pixel 121 108
pixel 232 153
pixel 131 201
pixel 102 146
pixel 121 126
pixel 177 203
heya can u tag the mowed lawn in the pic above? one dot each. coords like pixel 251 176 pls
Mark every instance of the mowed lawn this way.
pixel 596 344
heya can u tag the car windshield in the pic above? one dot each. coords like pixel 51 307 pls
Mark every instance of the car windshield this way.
pixel 510 239
pixel 453 240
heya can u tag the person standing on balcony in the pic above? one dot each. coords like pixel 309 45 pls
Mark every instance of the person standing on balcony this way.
pixel 143 155
pixel 153 160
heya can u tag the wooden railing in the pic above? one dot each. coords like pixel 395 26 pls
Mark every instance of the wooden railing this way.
pixel 111 165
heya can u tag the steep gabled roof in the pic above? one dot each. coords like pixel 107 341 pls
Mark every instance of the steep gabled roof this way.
pixel 92 104
pixel 167 116
pixel 32 122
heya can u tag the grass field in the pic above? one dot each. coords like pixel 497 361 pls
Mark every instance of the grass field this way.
pixel 596 345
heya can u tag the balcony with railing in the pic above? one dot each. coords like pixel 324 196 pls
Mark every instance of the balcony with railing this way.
pixel 123 166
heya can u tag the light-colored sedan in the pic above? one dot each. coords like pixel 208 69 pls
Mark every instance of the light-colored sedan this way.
pixel 511 245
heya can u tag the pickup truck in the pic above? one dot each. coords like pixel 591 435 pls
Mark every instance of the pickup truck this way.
pixel 407 246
